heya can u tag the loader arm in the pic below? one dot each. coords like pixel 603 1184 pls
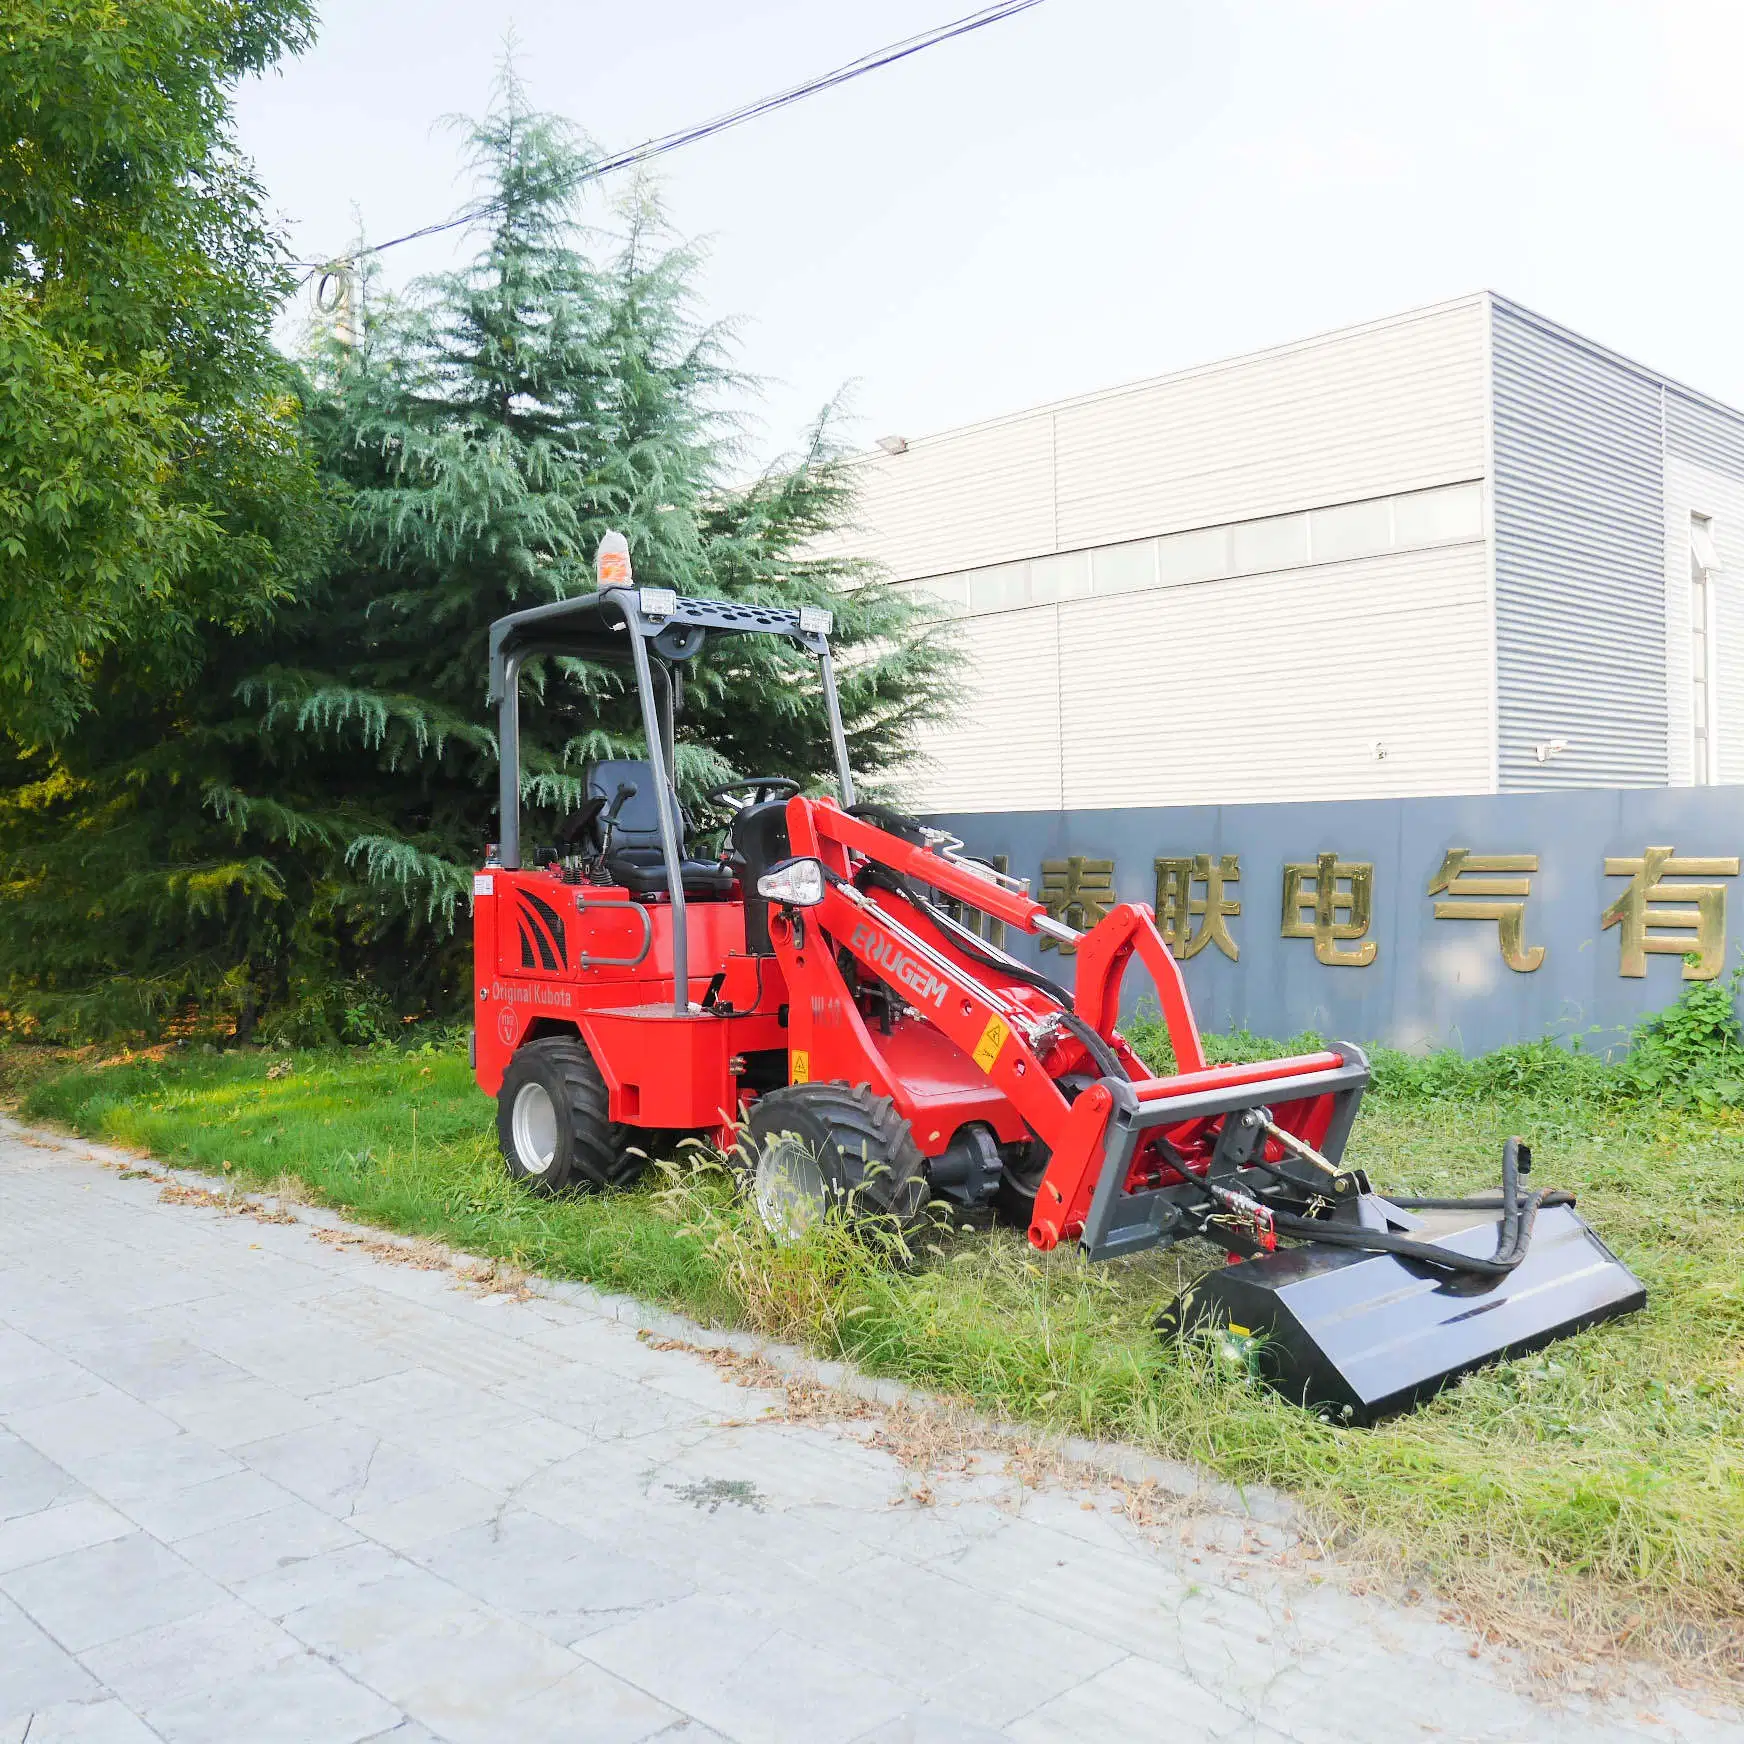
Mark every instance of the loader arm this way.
pixel 1151 1130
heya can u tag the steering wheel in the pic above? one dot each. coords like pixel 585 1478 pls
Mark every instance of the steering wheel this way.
pixel 757 788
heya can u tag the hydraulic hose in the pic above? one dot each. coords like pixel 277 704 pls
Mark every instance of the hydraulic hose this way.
pixel 1108 1062
pixel 1513 1234
pixel 1549 1196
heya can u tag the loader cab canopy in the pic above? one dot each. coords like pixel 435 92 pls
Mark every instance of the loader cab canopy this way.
pixel 604 626
pixel 648 629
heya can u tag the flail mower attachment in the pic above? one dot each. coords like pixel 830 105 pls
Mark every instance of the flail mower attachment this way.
pixel 1381 1302
pixel 1345 1300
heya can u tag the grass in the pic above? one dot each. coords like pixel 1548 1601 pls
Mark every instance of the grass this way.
pixel 1588 1502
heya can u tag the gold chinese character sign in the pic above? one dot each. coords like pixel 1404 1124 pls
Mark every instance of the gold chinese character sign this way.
pixel 1078 891
pixel 1473 883
pixel 1178 908
pixel 1650 920
pixel 1316 908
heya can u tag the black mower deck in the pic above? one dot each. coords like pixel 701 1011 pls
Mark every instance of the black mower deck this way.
pixel 1360 1335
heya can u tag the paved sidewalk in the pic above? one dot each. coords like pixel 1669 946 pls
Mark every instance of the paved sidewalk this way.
pixel 255 1486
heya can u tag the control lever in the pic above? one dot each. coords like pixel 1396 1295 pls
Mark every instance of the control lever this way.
pixel 627 790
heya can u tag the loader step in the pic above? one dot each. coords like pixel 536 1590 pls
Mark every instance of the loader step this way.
pixel 1361 1335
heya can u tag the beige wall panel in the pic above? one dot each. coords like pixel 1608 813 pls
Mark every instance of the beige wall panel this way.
pixel 1002 753
pixel 957 501
pixel 1363 413
pixel 1278 687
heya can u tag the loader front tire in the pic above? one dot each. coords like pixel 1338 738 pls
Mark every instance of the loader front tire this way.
pixel 553 1126
pixel 813 1149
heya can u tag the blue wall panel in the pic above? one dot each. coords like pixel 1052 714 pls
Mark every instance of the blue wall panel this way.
pixel 1432 982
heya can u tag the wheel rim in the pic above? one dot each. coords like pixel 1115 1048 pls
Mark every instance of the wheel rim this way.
pixel 789 1187
pixel 533 1125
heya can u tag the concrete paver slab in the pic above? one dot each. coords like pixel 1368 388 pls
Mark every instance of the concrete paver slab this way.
pixel 562 1583
pixel 507 1456
pixel 432 1513
pixel 29 1481
pixel 746 1677
pixel 90 1596
pixel 281 1538
pixel 295 1700
pixel 296 1581
pixel 1134 1698
pixel 924 1727
pixel 238 1408
pixel 149 1363
pixel 36 1672
pixel 93 1426
pixel 255 1486
pixel 342 1467
pixel 154 1667
pixel 191 1510
pixel 100 1721
pixel 150 1469
pixel 68 1525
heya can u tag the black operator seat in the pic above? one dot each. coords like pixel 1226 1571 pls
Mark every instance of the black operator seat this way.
pixel 634 858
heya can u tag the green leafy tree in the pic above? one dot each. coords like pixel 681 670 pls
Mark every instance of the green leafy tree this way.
pixel 485 431
pixel 157 500
pixel 145 425
pixel 490 428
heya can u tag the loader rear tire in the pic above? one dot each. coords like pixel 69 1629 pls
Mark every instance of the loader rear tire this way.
pixel 553 1125
pixel 816 1148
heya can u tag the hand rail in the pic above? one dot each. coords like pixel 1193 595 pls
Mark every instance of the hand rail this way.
pixel 637 908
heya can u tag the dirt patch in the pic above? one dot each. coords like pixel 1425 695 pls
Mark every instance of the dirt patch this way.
pixel 233 1204
pixel 490 1277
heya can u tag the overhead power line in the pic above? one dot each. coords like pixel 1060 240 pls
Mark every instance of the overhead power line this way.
pixel 652 148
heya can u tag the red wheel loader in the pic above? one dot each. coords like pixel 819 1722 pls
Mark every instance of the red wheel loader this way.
pixel 809 997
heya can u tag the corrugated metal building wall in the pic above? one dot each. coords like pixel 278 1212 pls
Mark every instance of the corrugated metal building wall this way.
pixel 1599 466
pixel 1442 553
pixel 1579 555
pixel 1155 586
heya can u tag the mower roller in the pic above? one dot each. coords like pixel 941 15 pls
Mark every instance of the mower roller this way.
pixel 808 998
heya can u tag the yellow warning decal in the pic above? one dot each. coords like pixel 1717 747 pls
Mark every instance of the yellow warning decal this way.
pixel 992 1040
pixel 799 1066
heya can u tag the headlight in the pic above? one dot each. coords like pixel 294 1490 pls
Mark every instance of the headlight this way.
pixel 794 884
pixel 657 602
pixel 815 621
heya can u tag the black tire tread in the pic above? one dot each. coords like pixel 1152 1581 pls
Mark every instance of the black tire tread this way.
pixel 603 1153
pixel 868 1130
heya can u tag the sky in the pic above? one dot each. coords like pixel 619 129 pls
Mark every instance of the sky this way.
pixel 1090 193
